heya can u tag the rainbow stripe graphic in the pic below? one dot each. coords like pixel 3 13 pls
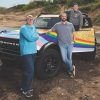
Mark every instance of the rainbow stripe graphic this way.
pixel 80 42
pixel 50 36
pixel 83 43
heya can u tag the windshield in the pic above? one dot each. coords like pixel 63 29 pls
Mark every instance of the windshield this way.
pixel 46 22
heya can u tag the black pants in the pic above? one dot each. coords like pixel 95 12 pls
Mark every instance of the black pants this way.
pixel 28 71
pixel 76 27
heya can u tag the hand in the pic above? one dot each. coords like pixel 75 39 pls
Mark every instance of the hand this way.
pixel 80 28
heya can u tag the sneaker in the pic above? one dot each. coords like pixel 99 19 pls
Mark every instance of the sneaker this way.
pixel 72 74
pixel 21 89
pixel 28 93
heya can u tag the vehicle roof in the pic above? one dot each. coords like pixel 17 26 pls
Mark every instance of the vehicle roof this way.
pixel 55 15
pixel 49 15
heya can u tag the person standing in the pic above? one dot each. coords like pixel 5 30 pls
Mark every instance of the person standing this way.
pixel 65 35
pixel 28 50
pixel 76 17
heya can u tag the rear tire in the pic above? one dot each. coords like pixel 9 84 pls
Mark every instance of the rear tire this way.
pixel 90 55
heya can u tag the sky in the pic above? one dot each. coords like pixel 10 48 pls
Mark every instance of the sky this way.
pixel 10 3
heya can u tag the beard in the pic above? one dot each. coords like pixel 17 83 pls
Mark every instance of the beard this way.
pixel 63 20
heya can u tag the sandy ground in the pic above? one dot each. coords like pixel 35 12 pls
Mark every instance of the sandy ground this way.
pixel 85 86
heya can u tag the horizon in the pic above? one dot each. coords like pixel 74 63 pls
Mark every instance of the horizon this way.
pixel 11 3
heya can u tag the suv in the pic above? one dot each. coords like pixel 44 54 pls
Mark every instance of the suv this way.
pixel 48 60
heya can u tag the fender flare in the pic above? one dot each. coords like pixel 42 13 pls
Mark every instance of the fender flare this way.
pixel 49 45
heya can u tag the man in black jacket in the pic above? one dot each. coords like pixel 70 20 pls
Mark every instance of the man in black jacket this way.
pixel 76 17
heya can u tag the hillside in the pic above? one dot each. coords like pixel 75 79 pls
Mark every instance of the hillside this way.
pixel 85 85
pixel 15 15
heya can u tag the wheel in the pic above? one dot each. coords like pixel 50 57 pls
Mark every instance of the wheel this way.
pixel 48 65
pixel 3 65
pixel 89 56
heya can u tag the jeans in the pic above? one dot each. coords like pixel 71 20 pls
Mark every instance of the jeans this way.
pixel 28 71
pixel 66 52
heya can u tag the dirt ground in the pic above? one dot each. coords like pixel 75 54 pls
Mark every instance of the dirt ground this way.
pixel 85 86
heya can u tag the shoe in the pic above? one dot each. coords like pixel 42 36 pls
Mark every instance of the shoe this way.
pixel 72 74
pixel 21 89
pixel 27 94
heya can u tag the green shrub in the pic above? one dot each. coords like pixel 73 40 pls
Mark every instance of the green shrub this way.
pixel 33 5
pixel 19 6
pixel 69 2
pixel 2 10
pixel 51 8
pixel 97 19
pixel 96 6
pixel 86 9
pixel 90 7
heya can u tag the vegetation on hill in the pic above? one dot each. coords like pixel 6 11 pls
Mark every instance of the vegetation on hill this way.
pixel 87 6
pixel 90 7
pixel 2 10
pixel 97 19
pixel 48 5
pixel 69 2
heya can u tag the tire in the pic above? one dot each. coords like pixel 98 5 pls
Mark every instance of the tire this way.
pixel 3 65
pixel 89 56
pixel 48 65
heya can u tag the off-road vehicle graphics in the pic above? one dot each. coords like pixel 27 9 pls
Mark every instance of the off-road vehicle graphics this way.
pixel 48 59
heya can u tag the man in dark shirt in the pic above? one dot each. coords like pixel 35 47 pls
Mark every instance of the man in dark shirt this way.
pixel 76 17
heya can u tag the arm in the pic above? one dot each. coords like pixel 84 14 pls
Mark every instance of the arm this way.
pixel 53 29
pixel 29 36
pixel 73 33
pixel 81 20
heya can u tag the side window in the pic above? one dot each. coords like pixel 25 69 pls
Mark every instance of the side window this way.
pixel 53 21
pixel 87 22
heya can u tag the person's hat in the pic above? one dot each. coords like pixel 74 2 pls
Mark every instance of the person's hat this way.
pixel 29 17
pixel 74 3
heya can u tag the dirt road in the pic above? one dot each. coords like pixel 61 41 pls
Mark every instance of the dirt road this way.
pixel 85 86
